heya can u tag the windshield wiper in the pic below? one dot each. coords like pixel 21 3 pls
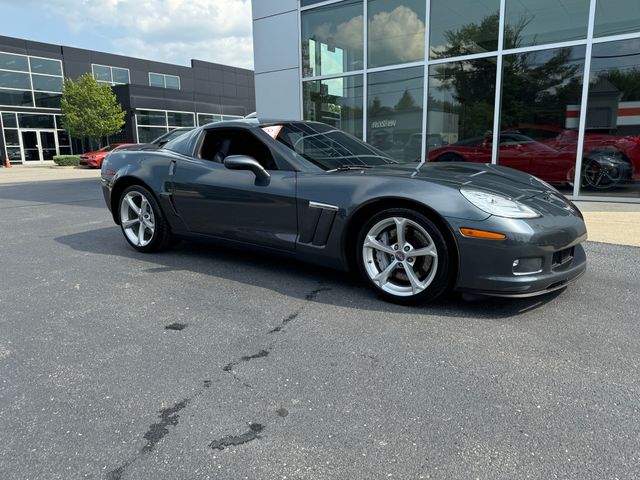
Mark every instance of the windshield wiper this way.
pixel 345 168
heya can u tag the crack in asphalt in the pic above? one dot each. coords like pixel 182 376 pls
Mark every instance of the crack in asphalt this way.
pixel 247 358
pixel 169 417
pixel 117 473
pixel 157 431
pixel 290 318
pixel 309 297
pixel 314 293
pixel 234 440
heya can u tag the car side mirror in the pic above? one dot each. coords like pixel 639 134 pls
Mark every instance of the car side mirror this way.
pixel 245 162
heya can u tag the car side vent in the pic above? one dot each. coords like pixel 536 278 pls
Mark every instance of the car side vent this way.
pixel 316 226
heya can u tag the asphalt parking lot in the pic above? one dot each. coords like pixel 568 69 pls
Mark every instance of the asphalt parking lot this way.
pixel 283 370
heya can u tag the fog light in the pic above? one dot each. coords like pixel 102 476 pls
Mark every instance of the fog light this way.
pixel 527 266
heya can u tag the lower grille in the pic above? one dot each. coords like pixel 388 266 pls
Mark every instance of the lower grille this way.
pixel 562 258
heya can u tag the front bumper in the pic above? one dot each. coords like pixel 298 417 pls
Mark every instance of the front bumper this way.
pixel 90 162
pixel 486 267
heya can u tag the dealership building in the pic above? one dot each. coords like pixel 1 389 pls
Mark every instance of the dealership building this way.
pixel 156 96
pixel 550 87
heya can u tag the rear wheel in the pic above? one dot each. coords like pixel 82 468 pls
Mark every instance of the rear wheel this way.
pixel 598 175
pixel 142 221
pixel 404 257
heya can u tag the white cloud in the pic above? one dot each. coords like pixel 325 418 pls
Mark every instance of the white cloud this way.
pixel 174 31
pixel 396 36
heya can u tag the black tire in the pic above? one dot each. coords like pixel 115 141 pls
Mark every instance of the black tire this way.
pixel 450 157
pixel 441 280
pixel 611 178
pixel 153 240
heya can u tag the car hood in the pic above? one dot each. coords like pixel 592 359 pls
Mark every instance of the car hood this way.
pixel 494 178
pixel 97 152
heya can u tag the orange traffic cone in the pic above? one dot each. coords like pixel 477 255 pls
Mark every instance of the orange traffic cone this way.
pixel 7 163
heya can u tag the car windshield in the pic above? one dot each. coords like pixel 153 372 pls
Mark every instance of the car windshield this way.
pixel 330 148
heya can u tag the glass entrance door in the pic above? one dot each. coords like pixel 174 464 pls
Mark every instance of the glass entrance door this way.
pixel 30 146
pixel 38 145
pixel 48 145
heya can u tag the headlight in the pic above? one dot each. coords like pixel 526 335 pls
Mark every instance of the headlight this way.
pixel 93 156
pixel 498 205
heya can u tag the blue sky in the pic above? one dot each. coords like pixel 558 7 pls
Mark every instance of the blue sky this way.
pixel 173 31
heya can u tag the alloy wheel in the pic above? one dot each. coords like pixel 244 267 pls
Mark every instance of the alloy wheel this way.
pixel 601 177
pixel 400 257
pixel 137 219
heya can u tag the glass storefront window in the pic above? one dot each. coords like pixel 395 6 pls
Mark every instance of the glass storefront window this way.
pixel 614 17
pixel 149 134
pixel 63 138
pixel 34 120
pixel 164 81
pixel 101 73
pixel 120 75
pixel 14 154
pixel 17 83
pixel 460 110
pixel 16 98
pixel 337 102
pixel 306 3
pixel 46 83
pixel 156 80
pixel 178 119
pixel 332 39
pixel 394 108
pixel 204 118
pixel 541 92
pixel 463 27
pixel 396 31
pixel 48 100
pixel 110 75
pixel 545 21
pixel 11 138
pixel 611 158
pixel 9 120
pixel 45 66
pixel 171 81
pixel 151 117
pixel 14 80
pixel 9 61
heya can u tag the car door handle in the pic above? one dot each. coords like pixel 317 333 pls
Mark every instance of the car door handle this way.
pixel 172 168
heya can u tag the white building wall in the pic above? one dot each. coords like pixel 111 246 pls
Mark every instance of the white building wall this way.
pixel 276 49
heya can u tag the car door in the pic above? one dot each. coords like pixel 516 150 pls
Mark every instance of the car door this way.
pixel 213 200
pixel 515 151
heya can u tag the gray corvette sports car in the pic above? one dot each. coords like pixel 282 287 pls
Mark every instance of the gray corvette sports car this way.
pixel 311 191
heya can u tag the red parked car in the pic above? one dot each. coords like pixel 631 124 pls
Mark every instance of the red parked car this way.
pixel 94 159
pixel 549 153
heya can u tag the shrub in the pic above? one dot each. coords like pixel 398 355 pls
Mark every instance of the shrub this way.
pixel 67 160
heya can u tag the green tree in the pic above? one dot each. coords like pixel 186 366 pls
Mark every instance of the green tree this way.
pixel 537 86
pixel 627 81
pixel 90 110
pixel 406 102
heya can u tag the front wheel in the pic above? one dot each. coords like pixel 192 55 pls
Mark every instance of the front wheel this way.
pixel 142 221
pixel 404 257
